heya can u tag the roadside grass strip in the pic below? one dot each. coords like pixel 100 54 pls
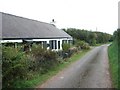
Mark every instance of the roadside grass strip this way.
pixel 113 61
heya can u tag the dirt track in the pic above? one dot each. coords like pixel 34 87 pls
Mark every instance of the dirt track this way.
pixel 91 71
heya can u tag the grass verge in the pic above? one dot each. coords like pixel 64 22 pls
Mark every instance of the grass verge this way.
pixel 103 43
pixel 113 61
pixel 39 79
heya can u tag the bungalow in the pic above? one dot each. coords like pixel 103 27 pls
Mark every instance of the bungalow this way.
pixel 17 29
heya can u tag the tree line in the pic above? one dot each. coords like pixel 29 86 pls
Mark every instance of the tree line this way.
pixel 91 37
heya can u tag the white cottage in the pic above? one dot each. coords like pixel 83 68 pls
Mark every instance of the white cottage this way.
pixel 18 30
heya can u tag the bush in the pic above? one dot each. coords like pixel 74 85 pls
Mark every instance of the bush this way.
pixel 59 53
pixel 73 50
pixel 82 45
pixel 65 47
pixel 43 59
pixel 86 46
pixel 18 65
pixel 50 60
pixel 66 52
pixel 14 66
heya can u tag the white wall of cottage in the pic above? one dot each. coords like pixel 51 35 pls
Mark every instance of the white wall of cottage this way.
pixel 37 40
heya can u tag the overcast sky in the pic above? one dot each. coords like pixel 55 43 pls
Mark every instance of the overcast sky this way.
pixel 81 14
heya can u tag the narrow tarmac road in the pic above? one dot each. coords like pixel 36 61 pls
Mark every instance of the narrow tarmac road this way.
pixel 91 71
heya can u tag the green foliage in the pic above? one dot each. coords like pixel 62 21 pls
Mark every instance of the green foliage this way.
pixel 65 47
pixel 43 59
pixel 88 36
pixel 18 65
pixel 93 42
pixel 113 57
pixel 118 39
pixel 39 79
pixel 115 35
pixel 14 66
pixel 66 52
pixel 82 44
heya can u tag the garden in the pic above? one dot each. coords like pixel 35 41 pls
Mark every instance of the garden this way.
pixel 21 68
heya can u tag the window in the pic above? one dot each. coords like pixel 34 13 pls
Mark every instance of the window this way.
pixel 53 44
pixel 44 44
pixel 58 44
pixel 70 42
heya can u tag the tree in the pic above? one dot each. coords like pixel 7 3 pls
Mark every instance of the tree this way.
pixel 88 36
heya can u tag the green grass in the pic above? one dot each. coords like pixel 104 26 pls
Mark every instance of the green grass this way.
pixel 39 79
pixel 99 44
pixel 113 60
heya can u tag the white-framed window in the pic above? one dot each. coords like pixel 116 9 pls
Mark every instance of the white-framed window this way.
pixel 53 44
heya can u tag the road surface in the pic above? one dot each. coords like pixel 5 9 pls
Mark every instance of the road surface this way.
pixel 91 71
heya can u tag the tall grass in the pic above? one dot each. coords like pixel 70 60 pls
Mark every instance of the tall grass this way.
pixel 113 60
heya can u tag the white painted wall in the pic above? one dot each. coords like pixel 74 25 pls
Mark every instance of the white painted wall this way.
pixel 9 41
pixel 47 40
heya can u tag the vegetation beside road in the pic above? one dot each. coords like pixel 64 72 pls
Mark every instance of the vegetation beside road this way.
pixel 29 68
pixel 21 70
pixel 114 59
pixel 41 78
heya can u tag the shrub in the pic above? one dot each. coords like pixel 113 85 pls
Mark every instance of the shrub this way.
pixel 93 42
pixel 14 66
pixel 65 47
pixel 82 45
pixel 43 59
pixel 59 53
pixel 66 52
pixel 50 60
pixel 18 65
pixel 73 50
pixel 86 46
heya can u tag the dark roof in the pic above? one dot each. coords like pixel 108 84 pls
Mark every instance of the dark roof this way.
pixel 19 27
